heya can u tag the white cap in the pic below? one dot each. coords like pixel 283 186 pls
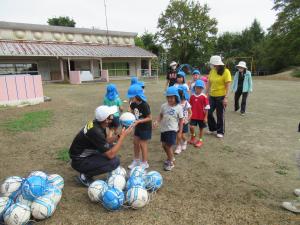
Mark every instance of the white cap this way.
pixel 242 64
pixel 103 112
pixel 216 60
pixel 173 63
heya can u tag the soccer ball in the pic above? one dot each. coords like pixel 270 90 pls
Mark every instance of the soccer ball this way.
pixel 113 199
pixel 96 190
pixel 137 171
pixel 56 180
pixel 118 171
pixel 137 197
pixel 5 203
pixel 154 180
pixel 127 119
pixel 24 201
pixel 17 214
pixel 117 181
pixel 135 182
pixel 38 173
pixel 34 187
pixel 10 186
pixel 54 193
pixel 42 208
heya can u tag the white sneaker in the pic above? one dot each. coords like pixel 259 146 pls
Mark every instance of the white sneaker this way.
pixel 178 149
pixel 293 206
pixel 183 145
pixel 169 166
pixel 145 165
pixel 211 132
pixel 297 192
pixel 134 164
pixel 220 135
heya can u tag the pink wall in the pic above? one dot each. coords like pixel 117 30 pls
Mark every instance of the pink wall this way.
pixel 20 88
pixel 75 77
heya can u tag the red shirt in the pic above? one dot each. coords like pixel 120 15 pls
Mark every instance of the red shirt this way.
pixel 199 105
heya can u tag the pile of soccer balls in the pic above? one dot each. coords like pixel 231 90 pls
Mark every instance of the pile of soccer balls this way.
pixel 118 192
pixel 36 196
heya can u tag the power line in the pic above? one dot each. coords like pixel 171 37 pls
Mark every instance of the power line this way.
pixel 106 23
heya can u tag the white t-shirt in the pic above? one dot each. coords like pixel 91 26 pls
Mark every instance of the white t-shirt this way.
pixel 187 86
pixel 170 117
pixel 185 107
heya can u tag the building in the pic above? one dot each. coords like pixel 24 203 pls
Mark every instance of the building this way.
pixel 55 51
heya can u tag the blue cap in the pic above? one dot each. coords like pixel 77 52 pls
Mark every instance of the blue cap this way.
pixel 134 80
pixel 185 91
pixel 173 91
pixel 181 74
pixel 111 92
pixel 199 83
pixel 136 90
pixel 196 72
pixel 141 83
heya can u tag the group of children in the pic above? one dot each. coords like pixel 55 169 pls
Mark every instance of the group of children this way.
pixel 186 108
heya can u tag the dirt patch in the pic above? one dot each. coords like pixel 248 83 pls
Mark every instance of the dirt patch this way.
pixel 286 75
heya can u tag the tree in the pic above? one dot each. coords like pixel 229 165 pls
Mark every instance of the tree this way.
pixel 64 21
pixel 148 41
pixel 187 30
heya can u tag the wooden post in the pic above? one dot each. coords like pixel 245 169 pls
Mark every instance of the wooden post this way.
pixel 92 67
pixel 69 66
pixel 62 70
pixel 149 67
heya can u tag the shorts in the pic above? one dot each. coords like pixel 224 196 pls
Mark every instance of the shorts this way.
pixel 143 134
pixel 115 123
pixel 168 137
pixel 199 123
pixel 185 128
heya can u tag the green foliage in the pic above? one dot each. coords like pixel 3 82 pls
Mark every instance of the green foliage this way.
pixel 63 155
pixel 149 42
pixel 296 73
pixel 187 30
pixel 64 21
pixel 31 121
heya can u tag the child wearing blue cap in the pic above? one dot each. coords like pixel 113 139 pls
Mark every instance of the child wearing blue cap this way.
pixel 187 113
pixel 143 125
pixel 180 81
pixel 112 98
pixel 171 124
pixel 196 76
pixel 200 107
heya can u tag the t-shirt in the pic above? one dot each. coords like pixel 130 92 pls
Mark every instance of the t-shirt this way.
pixel 170 117
pixel 172 78
pixel 178 85
pixel 90 139
pixel 141 111
pixel 217 82
pixel 118 102
pixel 199 105
pixel 185 107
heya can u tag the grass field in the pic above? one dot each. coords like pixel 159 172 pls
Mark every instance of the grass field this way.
pixel 241 179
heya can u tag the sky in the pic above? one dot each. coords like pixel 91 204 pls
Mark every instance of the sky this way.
pixel 134 15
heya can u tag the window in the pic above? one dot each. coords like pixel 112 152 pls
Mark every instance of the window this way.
pixel 117 68
pixel 18 68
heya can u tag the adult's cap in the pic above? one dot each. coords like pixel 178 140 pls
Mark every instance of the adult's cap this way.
pixel 173 63
pixel 103 112
pixel 216 60
pixel 242 64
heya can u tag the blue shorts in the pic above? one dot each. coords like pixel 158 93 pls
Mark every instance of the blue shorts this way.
pixel 143 134
pixel 115 123
pixel 168 137
pixel 199 123
pixel 185 128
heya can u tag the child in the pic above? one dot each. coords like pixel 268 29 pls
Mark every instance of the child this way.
pixel 112 98
pixel 143 126
pixel 200 107
pixel 171 122
pixel 196 76
pixel 180 81
pixel 187 113
pixel 205 80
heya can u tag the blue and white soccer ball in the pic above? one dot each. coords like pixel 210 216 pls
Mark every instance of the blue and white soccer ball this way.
pixel 127 119
pixel 154 180
pixel 118 171
pixel 54 193
pixel 17 214
pixel 135 182
pixel 138 171
pixel 20 199
pixel 96 190
pixel 38 173
pixel 34 187
pixel 117 181
pixel 5 203
pixel 56 180
pixel 10 186
pixel 113 199
pixel 137 197
pixel 42 208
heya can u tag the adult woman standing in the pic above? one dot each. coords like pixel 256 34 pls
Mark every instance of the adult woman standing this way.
pixel 218 85
pixel 242 85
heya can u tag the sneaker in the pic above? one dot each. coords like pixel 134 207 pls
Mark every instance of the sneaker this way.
pixel 193 140
pixel 297 192
pixel 178 149
pixel 220 135
pixel 198 144
pixel 293 206
pixel 145 165
pixel 84 180
pixel 243 113
pixel 211 132
pixel 167 161
pixel 183 145
pixel 134 164
pixel 169 166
